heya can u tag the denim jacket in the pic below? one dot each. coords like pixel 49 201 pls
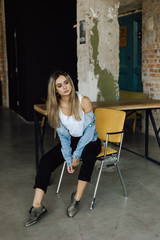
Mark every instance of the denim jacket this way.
pixel 89 134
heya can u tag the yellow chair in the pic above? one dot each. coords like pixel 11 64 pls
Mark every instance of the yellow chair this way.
pixel 109 125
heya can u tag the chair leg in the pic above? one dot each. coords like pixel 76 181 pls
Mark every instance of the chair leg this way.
pixel 96 187
pixel 121 178
pixel 61 176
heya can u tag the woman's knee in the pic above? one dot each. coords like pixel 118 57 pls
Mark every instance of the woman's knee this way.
pixel 89 159
pixel 92 149
pixel 43 165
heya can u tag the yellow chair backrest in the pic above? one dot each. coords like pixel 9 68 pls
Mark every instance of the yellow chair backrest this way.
pixel 108 121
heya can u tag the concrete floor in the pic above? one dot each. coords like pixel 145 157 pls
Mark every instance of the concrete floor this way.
pixel 113 218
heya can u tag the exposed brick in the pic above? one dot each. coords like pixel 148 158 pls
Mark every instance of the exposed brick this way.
pixel 151 52
pixel 151 65
pixel 149 84
pixel 153 75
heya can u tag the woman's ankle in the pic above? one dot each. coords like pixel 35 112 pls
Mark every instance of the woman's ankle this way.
pixel 37 205
pixel 77 197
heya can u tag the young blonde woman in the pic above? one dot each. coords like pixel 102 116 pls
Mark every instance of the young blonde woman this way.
pixel 72 116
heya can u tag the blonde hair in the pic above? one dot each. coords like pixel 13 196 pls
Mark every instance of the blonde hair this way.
pixel 53 100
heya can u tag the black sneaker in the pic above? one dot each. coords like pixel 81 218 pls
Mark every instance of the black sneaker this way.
pixel 35 214
pixel 73 207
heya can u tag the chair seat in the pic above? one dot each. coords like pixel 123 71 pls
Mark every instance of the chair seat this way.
pixel 109 151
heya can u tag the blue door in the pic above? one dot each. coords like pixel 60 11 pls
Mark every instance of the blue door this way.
pixel 130 53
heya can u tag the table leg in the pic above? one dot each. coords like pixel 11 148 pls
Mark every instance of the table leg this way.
pixel 149 114
pixel 38 139
pixel 43 131
pixel 156 131
pixel 146 133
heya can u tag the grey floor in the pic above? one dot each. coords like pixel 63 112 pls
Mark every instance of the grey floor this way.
pixel 114 217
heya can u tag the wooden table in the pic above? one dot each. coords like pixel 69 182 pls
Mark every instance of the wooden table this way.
pixel 133 104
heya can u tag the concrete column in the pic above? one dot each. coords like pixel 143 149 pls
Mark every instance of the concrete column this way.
pixel 98 49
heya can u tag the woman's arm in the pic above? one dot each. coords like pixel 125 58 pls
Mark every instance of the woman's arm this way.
pixel 86 104
pixel 66 148
pixel 86 107
pixel 89 132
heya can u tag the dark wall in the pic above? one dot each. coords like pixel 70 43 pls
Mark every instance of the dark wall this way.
pixel 0 93
pixel 45 41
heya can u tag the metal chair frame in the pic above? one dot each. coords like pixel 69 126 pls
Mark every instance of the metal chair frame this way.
pixel 115 156
pixel 115 163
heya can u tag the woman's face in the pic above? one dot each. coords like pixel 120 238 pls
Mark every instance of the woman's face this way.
pixel 63 86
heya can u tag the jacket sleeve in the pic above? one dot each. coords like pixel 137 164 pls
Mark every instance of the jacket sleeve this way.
pixel 89 134
pixel 66 146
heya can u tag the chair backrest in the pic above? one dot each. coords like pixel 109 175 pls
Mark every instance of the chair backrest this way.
pixel 108 121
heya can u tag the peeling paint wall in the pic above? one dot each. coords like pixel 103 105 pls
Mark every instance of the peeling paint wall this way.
pixel 98 58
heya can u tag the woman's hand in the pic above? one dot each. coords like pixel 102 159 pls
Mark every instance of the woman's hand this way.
pixel 75 163
pixel 70 169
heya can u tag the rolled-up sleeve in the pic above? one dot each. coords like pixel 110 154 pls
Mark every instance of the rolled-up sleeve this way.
pixel 66 147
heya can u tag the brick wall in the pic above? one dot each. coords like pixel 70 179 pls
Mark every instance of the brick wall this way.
pixel 3 58
pixel 151 52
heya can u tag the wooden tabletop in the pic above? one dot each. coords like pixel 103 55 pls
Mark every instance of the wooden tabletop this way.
pixel 41 108
pixel 131 104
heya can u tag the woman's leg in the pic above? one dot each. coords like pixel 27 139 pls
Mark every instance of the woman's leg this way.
pixel 89 155
pixel 48 163
pixel 38 197
pixel 88 161
pixel 80 189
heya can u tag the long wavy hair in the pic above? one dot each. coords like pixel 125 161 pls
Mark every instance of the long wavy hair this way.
pixel 53 100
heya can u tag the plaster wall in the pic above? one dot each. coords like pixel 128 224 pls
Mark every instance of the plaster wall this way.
pixel 98 57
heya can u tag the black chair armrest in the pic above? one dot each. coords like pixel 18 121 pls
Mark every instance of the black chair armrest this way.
pixel 112 133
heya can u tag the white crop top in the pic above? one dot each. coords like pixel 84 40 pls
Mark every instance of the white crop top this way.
pixel 74 127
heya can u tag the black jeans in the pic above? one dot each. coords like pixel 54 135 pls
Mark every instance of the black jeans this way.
pixel 52 159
